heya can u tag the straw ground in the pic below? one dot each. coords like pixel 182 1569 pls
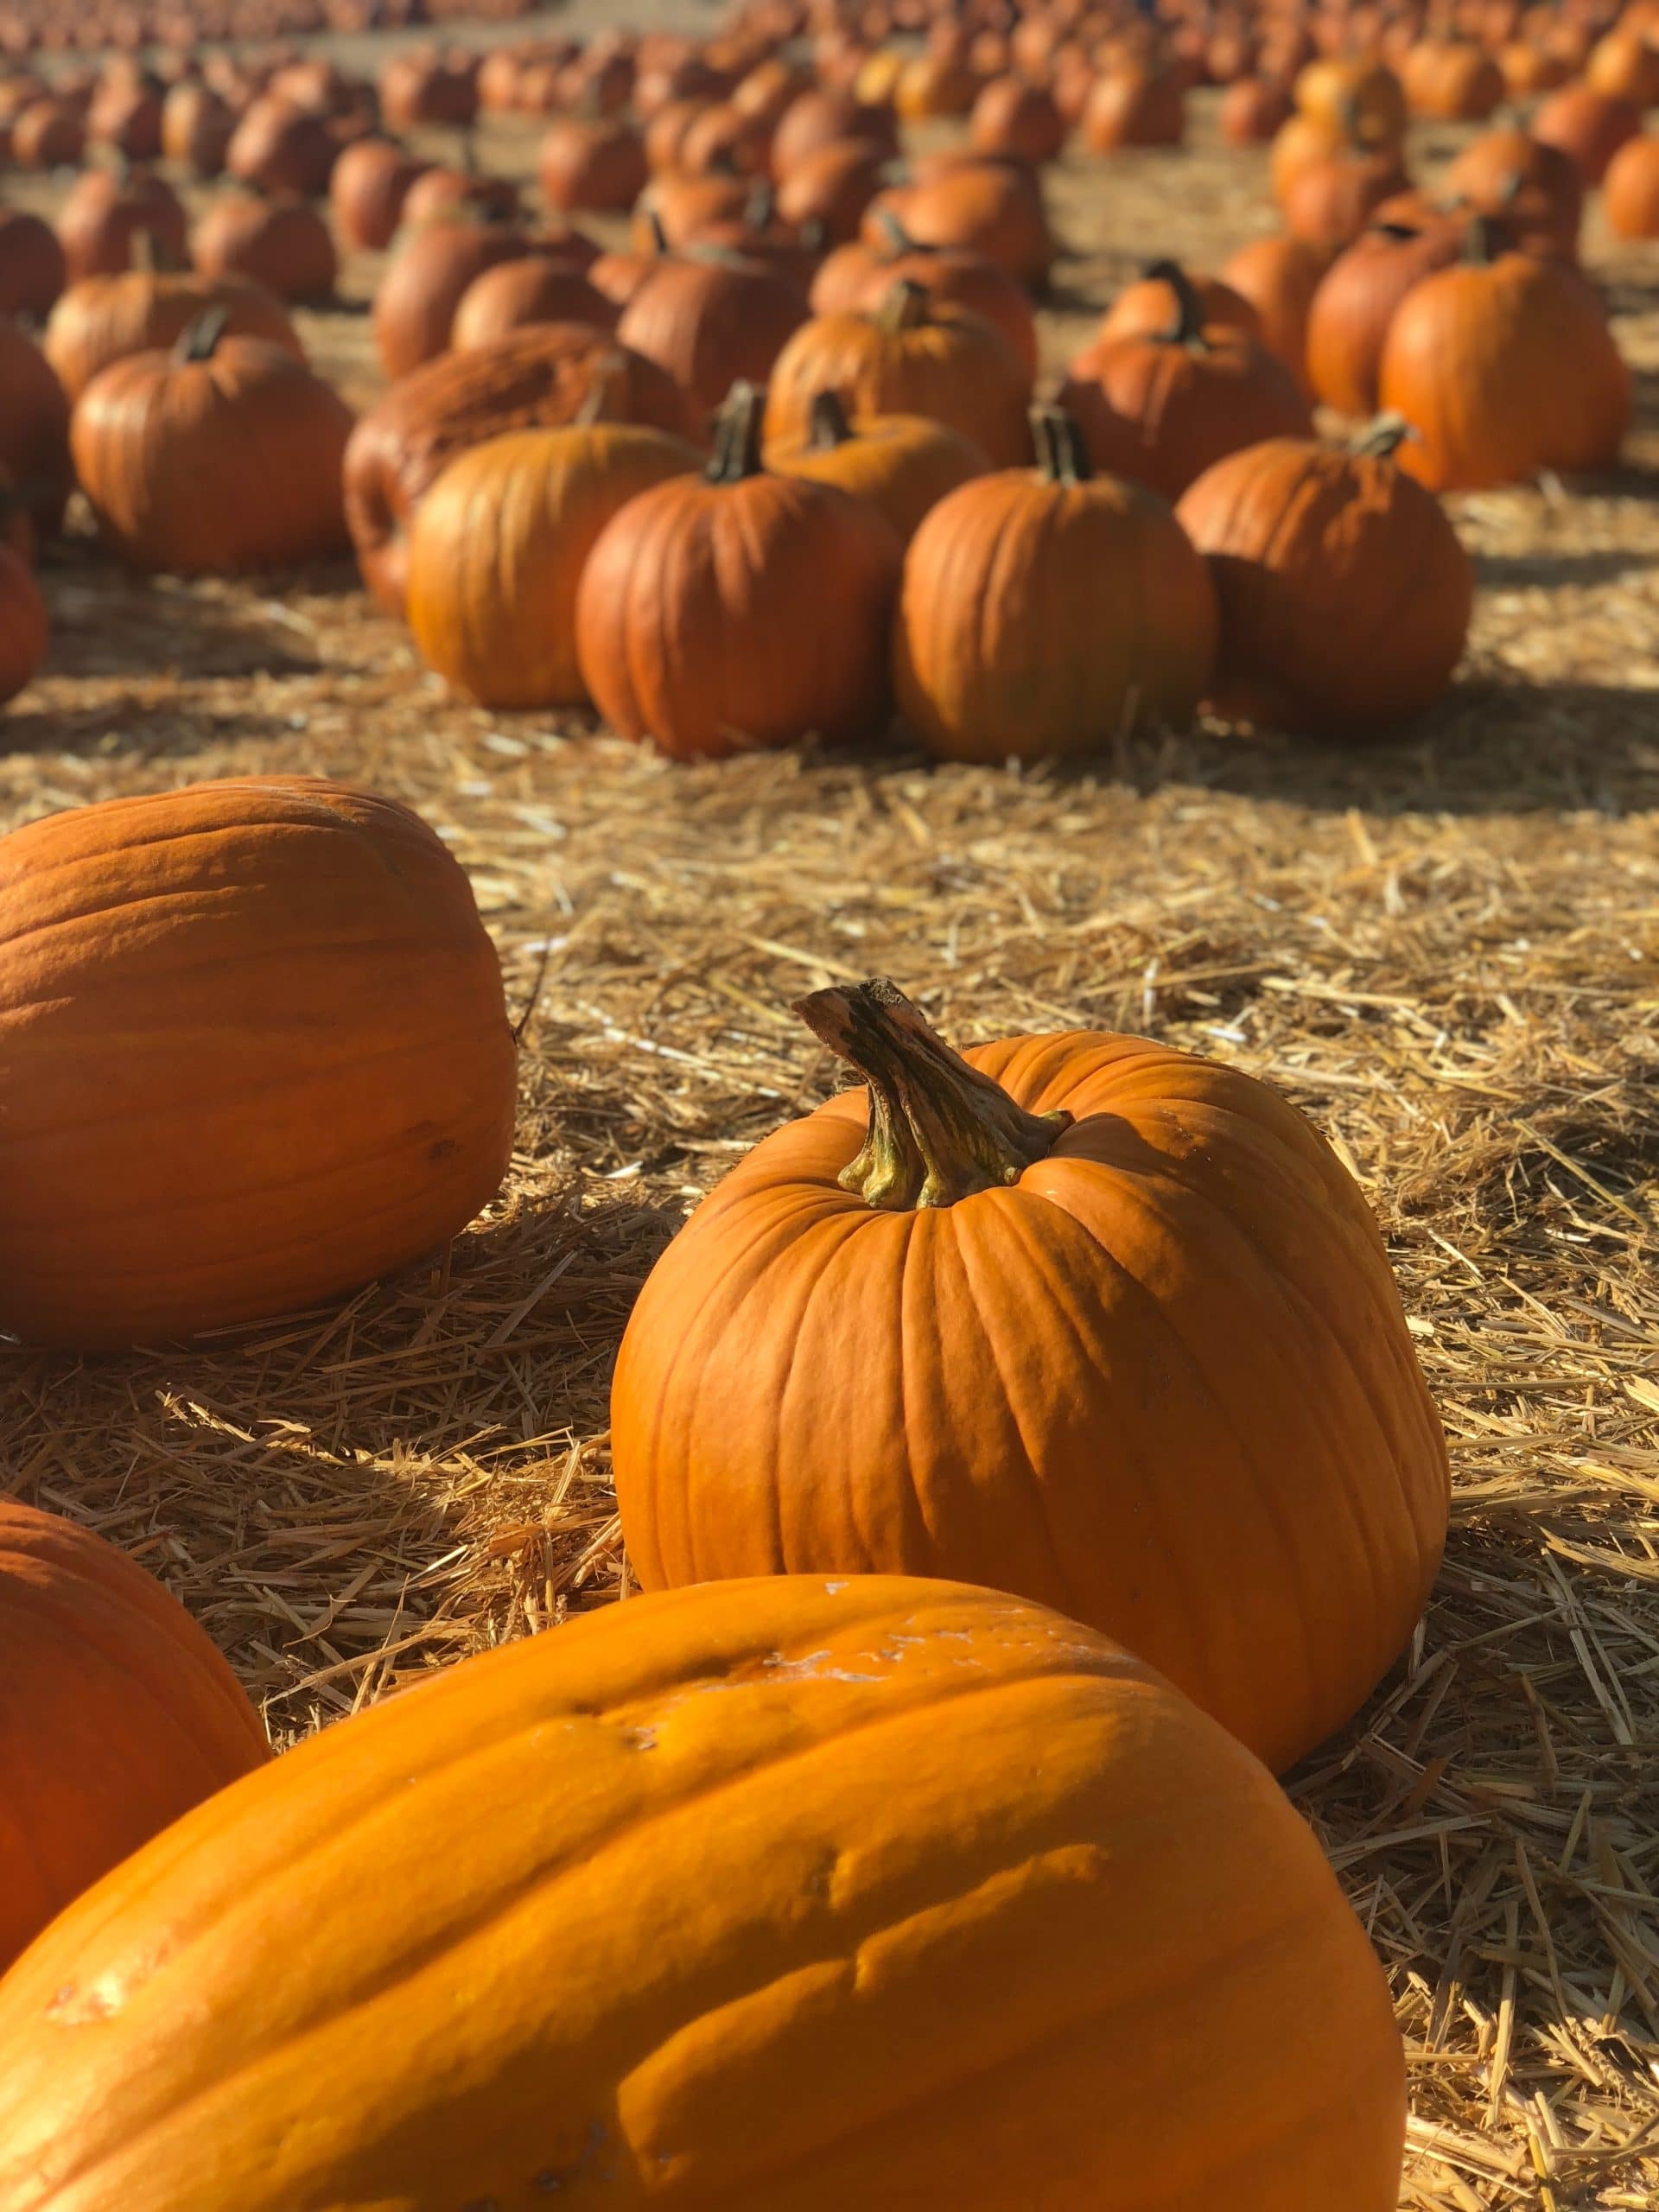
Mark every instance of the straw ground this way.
pixel 1443 949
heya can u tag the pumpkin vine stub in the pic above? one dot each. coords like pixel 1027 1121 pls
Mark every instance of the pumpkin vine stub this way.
pixel 939 1129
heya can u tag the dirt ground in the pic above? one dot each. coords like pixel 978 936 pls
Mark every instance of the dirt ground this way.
pixel 1443 949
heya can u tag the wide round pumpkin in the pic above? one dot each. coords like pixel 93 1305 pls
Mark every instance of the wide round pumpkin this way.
pixel 1044 610
pixel 106 318
pixel 1503 366
pixel 1345 592
pixel 1147 306
pixel 499 546
pixel 1588 126
pixel 910 357
pixel 779 1896
pixel 740 610
pixel 117 1714
pixel 220 456
pixel 370 181
pixel 984 206
pixel 1078 1317
pixel 902 464
pixel 541 378
pixel 254 1053
pixel 856 278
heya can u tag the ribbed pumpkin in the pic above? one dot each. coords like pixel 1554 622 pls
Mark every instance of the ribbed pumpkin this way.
pixel 254 1053
pixel 1014 118
pixel 710 321
pixel 1343 590
pixel 1504 364
pixel 1044 612
pixel 742 610
pixel 909 357
pixel 1630 191
pixel 1161 406
pixel 902 464
pixel 832 189
pixel 856 278
pixel 541 378
pixel 1133 105
pixel 223 455
pixel 538 288
pixel 499 546
pixel 783 1896
pixel 1587 126
pixel 1348 322
pixel 34 427
pixel 1079 1317
pixel 117 1715
pixel 107 318
pixel 591 163
pixel 1535 190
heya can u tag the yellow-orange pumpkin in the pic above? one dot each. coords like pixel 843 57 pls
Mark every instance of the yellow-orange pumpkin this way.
pixel 254 1053
pixel 903 464
pixel 772 1897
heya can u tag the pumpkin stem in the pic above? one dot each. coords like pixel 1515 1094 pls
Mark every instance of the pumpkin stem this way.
pixel 761 207
pixel 198 339
pixel 828 422
pixel 1187 328
pixel 939 1130
pixel 658 233
pixel 1061 454
pixel 1485 241
pixel 902 306
pixel 1382 438
pixel 737 436
pixel 895 239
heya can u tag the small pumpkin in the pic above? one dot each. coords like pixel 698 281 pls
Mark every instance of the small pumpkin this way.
pixel 1624 64
pixel 1134 105
pixel 282 147
pixel 1344 593
pixel 1144 308
pixel 221 456
pixel 497 548
pixel 903 464
pixel 591 165
pixel 24 637
pixel 675 208
pixel 440 194
pixel 197 127
pixel 540 377
pixel 104 319
pixel 1453 81
pixel 309 1080
pixel 710 321
pixel 1504 364
pixel 1278 277
pixel 1331 202
pixel 1358 93
pixel 833 187
pixel 919 1881
pixel 820 119
pixel 32 268
pixel 425 282
pixel 1535 189
pixel 281 242
pixel 1589 127
pixel 33 428
pixel 106 209
pixel 538 287
pixel 910 357
pixel 1631 190
pixel 48 134
pixel 368 191
pixel 117 1715
pixel 740 610
pixel 1160 407
pixel 1349 320
pixel 1046 611
pixel 1110 1325
pixel 856 278
pixel 1012 116
pixel 1253 110
pixel 989 207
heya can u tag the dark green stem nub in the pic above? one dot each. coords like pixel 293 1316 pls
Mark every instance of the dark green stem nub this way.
pixel 1485 241
pixel 939 1130
pixel 198 339
pixel 1382 438
pixel 658 234
pixel 1062 456
pixel 1401 233
pixel 1187 328
pixel 895 239
pixel 828 423
pixel 737 436
pixel 902 306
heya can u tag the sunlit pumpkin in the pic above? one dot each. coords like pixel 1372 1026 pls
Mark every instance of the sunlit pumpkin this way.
pixel 903 464
pixel 104 319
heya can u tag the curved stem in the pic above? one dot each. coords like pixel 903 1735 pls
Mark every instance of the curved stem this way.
pixel 902 306
pixel 737 436
pixel 828 423
pixel 939 1130
pixel 1187 328
pixel 1382 438
pixel 1061 454
pixel 198 339
pixel 895 239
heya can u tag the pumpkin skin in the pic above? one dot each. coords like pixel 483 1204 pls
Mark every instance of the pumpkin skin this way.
pixel 591 165
pixel 1534 190
pixel 33 428
pixel 104 214
pixel 107 318
pixel 856 278
pixel 284 244
pixel 117 1715
pixel 689 626
pixel 539 287
pixel 1631 190
pixel 1147 1365
pixel 1146 306
pixel 1345 592
pixel 427 278
pixel 541 378
pixel 499 546
pixel 32 268
pixel 370 181
pixel 710 323
pixel 1278 277
pixel 909 357
pixel 1135 106
pixel 782 1909
pixel 24 630
pixel 312 1080
pixel 1041 610
pixel 1348 323
pixel 1504 367
pixel 221 456
pixel 902 464
pixel 1588 127
pixel 991 208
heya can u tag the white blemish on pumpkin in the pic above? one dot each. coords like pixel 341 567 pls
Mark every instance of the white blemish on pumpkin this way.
pixel 812 1669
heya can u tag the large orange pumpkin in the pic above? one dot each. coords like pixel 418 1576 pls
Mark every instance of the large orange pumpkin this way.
pixel 1079 1317
pixel 783 1896
pixel 254 1053
pixel 117 1714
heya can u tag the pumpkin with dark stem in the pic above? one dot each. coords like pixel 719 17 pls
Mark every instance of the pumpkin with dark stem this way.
pixel 690 617
pixel 1161 406
pixel 1077 1316
pixel 104 319
pixel 781 1896
pixel 1589 127
pixel 857 277
pixel 903 464
pixel 992 207
pixel 117 1715
pixel 1145 307
pixel 1535 189
pixel 255 1053
pixel 1345 592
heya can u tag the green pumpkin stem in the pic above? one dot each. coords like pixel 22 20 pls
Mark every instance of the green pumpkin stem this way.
pixel 658 233
pixel 1062 456
pixel 902 306
pixel 895 239
pixel 939 1130
pixel 737 436
pixel 828 423
pixel 1485 241
pixel 198 339
pixel 1187 327
pixel 1382 438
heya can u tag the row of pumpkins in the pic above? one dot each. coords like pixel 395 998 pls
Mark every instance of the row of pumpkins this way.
pixel 176 27
pixel 1024 1456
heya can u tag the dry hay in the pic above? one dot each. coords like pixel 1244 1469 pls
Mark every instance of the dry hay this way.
pixel 1444 950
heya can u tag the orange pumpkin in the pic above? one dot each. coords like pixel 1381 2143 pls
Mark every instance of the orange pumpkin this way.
pixel 1344 593
pixel 782 1896
pixel 1330 202
pixel 32 268
pixel 1356 93
pixel 591 164
pixel 902 464
pixel 1135 106
pixel 710 320
pixel 1278 277
pixel 283 243
pixel 117 1715
pixel 821 119
pixel 833 188
pixel 255 1054
pixel 1348 322
pixel 197 127
pixel 740 610
pixel 994 208
pixel 1015 117
pixel 1254 110
pixel 498 545
pixel 910 357
pixel 429 275
pixel 106 209
pixel 1588 126
pixel 282 147
pixel 366 191
pixel 34 427
pixel 538 287
pixel 24 636
pixel 1535 190
pixel 858 277
pixel 1145 307
pixel 106 319
pixel 1625 65
pixel 1111 1327
pixel 1631 190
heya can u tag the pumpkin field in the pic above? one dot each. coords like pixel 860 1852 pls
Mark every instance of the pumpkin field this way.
pixel 758 575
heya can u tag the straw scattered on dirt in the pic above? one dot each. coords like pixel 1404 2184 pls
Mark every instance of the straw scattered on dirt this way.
pixel 1444 950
